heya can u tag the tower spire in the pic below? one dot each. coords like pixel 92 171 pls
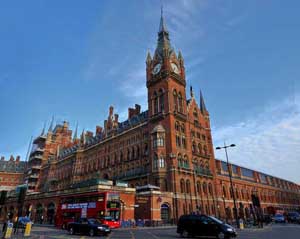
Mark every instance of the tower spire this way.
pixel 162 25
pixel 202 104
pixel 51 125
pixel 163 43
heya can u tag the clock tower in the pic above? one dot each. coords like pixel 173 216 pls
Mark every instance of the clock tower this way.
pixel 167 104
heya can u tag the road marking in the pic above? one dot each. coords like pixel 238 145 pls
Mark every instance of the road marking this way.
pixel 151 234
pixel 132 235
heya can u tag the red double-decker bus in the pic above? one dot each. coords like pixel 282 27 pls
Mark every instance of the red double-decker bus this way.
pixel 105 206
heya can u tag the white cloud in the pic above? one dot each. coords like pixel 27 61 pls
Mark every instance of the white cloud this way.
pixel 268 142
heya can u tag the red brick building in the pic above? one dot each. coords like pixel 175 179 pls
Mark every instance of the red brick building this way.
pixel 11 175
pixel 165 153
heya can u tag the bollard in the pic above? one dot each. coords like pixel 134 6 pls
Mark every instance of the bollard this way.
pixel 241 222
pixel 8 231
pixel 27 229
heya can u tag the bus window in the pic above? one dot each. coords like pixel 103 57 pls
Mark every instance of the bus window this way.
pixel 114 214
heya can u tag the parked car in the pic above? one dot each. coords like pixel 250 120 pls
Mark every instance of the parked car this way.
pixel 109 221
pixel 202 225
pixel 90 226
pixel 293 217
pixel 279 218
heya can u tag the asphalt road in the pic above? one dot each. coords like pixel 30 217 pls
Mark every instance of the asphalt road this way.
pixel 288 231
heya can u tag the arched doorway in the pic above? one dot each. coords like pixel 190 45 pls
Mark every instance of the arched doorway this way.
pixel 165 213
pixel 50 213
pixel 39 218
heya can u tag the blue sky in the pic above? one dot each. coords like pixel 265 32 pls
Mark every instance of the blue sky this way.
pixel 74 60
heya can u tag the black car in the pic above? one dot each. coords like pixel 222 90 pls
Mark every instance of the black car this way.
pixel 90 226
pixel 293 217
pixel 202 225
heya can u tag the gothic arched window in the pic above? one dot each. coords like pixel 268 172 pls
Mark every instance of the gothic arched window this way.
pixel 210 189
pixel 175 100
pixel 161 101
pixel 204 187
pixel 155 161
pixel 186 161
pixel 224 192
pixel 161 162
pixel 182 186
pixel 199 148
pixel 194 147
pixel 188 186
pixel 180 103
pixel 198 187
pixel 155 102
pixel 180 163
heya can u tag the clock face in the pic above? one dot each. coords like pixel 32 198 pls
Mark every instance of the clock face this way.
pixel 175 68
pixel 156 68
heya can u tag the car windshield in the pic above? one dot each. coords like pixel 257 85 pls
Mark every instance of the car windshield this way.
pixel 94 221
pixel 108 218
pixel 216 220
pixel 278 215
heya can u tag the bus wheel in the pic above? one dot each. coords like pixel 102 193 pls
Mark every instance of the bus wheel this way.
pixel 71 231
pixel 91 232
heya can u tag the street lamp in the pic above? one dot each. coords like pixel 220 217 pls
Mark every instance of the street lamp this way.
pixel 230 179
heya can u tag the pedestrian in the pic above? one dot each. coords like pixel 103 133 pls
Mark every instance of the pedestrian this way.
pixel 16 225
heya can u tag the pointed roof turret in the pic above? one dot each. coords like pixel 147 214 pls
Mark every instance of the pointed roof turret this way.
pixel 163 42
pixel 75 133
pixel 43 131
pixel 51 125
pixel 149 58
pixel 191 92
pixel 180 57
pixel 202 104
pixel 82 137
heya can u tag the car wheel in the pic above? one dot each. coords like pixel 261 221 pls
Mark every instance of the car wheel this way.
pixel 91 232
pixel 184 234
pixel 71 231
pixel 223 236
